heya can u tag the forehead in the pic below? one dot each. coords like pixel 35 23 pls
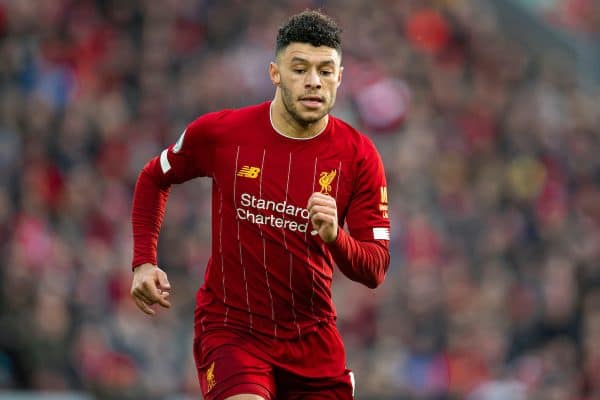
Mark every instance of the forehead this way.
pixel 310 53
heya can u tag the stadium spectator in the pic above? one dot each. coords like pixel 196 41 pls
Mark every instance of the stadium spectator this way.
pixel 492 168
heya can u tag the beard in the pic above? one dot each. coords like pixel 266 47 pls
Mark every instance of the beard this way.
pixel 291 106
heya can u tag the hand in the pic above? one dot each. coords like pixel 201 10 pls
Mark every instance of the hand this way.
pixel 150 286
pixel 322 211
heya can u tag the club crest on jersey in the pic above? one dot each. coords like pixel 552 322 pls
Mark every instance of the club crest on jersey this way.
pixel 211 381
pixel 249 172
pixel 325 180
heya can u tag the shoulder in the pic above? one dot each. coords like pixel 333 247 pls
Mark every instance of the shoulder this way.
pixel 360 142
pixel 213 124
pixel 230 115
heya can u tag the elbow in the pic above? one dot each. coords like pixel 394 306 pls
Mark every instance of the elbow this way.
pixel 378 274
pixel 377 278
pixel 375 281
pixel 369 265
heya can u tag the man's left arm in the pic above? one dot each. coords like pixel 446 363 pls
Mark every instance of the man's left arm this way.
pixel 362 261
pixel 363 255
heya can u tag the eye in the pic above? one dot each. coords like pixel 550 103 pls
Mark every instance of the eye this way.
pixel 298 70
pixel 326 73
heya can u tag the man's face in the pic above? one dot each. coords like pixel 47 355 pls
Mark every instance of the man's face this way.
pixel 308 78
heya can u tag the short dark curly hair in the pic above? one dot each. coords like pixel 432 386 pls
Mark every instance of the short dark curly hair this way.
pixel 310 26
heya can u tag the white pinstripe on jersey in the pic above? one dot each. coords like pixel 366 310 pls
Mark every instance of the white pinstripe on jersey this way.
pixel 262 174
pixel 235 169
pixel 287 187
pixel 312 284
pixel 339 177
pixel 221 251
pixel 337 186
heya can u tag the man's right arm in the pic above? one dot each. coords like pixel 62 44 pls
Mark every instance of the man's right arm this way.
pixel 189 157
pixel 150 284
pixel 149 201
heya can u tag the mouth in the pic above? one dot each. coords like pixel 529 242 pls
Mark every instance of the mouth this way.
pixel 312 101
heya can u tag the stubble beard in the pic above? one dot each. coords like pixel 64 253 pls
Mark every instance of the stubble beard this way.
pixel 290 106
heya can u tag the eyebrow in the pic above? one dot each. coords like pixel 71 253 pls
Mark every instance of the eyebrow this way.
pixel 305 61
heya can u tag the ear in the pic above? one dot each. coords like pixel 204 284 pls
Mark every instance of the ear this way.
pixel 274 73
pixel 339 81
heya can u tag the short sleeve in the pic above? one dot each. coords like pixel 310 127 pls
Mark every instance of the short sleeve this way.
pixel 367 215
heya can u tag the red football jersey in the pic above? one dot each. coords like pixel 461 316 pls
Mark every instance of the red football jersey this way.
pixel 267 273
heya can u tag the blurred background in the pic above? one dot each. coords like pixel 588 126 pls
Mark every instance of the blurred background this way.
pixel 487 115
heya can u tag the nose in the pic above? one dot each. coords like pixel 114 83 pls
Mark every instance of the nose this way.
pixel 313 80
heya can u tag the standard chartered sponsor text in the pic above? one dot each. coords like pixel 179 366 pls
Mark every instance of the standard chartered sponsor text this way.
pixel 252 207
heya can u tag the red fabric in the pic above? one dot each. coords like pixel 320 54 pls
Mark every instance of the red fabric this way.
pixel 361 261
pixel 266 272
pixel 147 214
pixel 313 366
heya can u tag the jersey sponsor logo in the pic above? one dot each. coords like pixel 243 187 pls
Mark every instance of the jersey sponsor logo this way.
pixel 383 202
pixel 211 381
pixel 249 172
pixel 325 179
pixel 259 211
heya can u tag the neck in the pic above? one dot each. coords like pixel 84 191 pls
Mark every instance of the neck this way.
pixel 285 124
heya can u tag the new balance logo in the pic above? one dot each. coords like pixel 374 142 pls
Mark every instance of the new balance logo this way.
pixel 249 172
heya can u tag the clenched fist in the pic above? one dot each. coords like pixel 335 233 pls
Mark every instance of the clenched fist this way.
pixel 150 286
pixel 322 210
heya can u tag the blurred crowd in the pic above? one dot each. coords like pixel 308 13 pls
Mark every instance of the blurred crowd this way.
pixel 493 175
pixel 581 17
